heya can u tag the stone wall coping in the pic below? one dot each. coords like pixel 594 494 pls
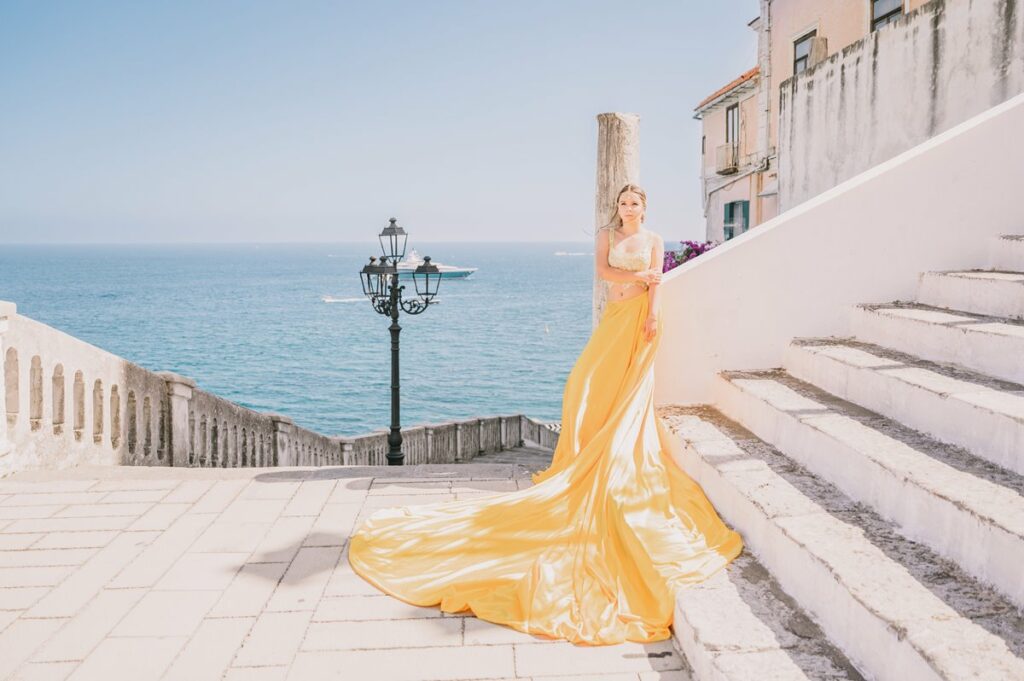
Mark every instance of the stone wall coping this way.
pixel 172 377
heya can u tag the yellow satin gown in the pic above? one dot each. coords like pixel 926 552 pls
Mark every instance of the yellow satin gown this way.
pixel 594 551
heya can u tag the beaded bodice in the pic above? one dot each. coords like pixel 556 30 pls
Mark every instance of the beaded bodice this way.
pixel 635 261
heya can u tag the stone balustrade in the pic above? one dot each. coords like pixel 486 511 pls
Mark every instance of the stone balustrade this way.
pixel 68 403
pixel 450 442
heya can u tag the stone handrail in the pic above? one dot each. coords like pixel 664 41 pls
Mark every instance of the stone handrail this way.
pixel 452 441
pixel 543 434
pixel 67 403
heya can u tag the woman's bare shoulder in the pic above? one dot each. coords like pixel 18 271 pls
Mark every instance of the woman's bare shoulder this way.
pixel 655 237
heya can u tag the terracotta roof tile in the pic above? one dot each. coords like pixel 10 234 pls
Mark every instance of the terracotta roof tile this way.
pixel 744 77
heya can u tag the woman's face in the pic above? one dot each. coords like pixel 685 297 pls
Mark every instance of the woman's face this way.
pixel 631 208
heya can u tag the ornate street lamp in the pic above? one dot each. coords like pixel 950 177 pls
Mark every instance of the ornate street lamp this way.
pixel 380 284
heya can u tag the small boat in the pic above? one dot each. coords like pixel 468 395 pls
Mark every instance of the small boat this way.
pixel 413 260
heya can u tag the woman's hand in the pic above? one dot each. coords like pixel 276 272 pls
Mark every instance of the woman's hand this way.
pixel 650 277
pixel 650 328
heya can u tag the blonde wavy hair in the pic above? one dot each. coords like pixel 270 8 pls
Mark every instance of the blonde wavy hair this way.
pixel 615 221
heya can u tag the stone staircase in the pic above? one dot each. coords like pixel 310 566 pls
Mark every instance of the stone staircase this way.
pixel 878 482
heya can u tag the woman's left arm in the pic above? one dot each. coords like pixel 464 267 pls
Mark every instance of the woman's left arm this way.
pixel 653 296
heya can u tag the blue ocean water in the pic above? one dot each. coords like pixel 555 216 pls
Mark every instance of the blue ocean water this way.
pixel 286 328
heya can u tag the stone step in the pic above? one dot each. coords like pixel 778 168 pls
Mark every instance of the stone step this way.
pixel 953 404
pixel 1008 252
pixel 989 292
pixel 990 345
pixel 900 611
pixel 530 458
pixel 966 509
pixel 739 625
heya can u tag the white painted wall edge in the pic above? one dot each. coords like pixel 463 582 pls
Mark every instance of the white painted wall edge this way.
pixel 934 207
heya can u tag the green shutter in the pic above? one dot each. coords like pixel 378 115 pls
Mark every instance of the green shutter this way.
pixel 746 215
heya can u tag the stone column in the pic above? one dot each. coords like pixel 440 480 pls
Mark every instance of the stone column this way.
pixel 618 163
pixel 458 442
pixel 8 311
pixel 480 442
pixel 346 452
pixel 179 392
pixel 283 455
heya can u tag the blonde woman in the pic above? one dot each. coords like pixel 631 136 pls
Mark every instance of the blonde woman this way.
pixel 594 551
pixel 628 257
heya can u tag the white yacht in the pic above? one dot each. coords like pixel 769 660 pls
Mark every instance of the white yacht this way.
pixel 412 260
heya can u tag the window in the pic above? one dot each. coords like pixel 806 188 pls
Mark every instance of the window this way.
pixel 737 217
pixel 732 123
pixel 703 144
pixel 885 12
pixel 802 52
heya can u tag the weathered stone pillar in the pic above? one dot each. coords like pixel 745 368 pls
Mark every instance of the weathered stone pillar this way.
pixel 179 392
pixel 458 442
pixel 618 163
pixel 480 442
pixel 7 312
pixel 429 435
pixel 283 455
pixel 346 452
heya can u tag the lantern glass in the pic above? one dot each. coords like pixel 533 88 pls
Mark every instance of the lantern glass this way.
pixel 392 241
pixel 371 278
pixel 427 279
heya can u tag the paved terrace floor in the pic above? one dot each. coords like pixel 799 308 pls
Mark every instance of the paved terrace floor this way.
pixel 158 573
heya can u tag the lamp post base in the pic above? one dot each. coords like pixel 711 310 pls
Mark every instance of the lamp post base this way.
pixel 395 456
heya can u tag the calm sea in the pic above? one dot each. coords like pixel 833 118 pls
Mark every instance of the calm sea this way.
pixel 286 328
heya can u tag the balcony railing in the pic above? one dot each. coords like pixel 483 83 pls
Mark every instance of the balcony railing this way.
pixel 727 161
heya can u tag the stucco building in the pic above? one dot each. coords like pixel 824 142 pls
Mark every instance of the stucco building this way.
pixel 740 121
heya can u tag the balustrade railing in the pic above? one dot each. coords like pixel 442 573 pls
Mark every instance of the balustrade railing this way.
pixel 68 403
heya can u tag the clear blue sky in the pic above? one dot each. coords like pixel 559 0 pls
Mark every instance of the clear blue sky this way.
pixel 316 121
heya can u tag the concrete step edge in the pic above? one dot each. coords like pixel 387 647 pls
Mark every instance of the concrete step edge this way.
pixel 989 292
pixel 965 320
pixel 739 625
pixel 951 403
pixel 888 623
pixel 971 520
pixel 985 344
pixel 1007 251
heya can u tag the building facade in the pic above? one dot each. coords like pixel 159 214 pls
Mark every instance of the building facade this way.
pixel 932 68
pixel 740 121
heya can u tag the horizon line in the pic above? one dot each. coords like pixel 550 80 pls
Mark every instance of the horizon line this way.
pixel 264 243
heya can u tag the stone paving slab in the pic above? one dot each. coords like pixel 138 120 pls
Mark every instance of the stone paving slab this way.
pixel 241 574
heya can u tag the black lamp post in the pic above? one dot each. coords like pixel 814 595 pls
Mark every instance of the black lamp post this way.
pixel 380 284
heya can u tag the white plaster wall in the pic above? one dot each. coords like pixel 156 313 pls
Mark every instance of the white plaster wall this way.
pixel 933 68
pixel 43 448
pixel 933 207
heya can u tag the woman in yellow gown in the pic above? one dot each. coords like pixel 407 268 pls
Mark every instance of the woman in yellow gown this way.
pixel 594 551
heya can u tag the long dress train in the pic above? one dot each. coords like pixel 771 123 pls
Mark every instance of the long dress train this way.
pixel 593 552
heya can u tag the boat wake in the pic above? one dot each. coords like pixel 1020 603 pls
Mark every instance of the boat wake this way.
pixel 332 299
